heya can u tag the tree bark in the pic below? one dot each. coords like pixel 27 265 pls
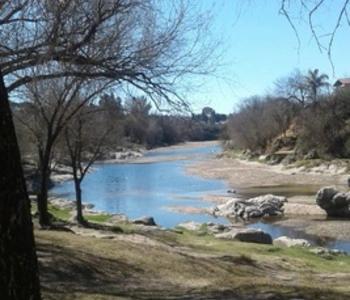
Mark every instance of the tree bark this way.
pixel 44 217
pixel 80 217
pixel 19 278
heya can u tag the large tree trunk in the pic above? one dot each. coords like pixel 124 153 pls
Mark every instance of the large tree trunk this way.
pixel 19 279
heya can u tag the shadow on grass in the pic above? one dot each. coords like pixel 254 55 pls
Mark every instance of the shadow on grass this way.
pixel 66 271
pixel 69 273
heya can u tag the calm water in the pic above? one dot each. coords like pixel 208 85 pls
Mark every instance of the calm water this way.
pixel 147 189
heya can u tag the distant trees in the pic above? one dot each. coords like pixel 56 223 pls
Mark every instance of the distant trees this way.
pixel 299 114
pixel 258 121
pixel 325 128
pixel 302 88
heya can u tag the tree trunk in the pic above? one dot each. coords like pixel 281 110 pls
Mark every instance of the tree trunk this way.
pixel 19 278
pixel 43 195
pixel 80 217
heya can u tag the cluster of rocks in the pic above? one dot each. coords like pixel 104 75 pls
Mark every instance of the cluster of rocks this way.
pixel 88 209
pixel 334 202
pixel 262 206
pixel 120 155
pixel 250 235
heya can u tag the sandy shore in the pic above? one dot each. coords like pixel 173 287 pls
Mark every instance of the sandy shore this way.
pixel 301 211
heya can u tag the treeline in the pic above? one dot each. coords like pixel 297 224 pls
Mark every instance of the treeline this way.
pixel 45 119
pixel 303 115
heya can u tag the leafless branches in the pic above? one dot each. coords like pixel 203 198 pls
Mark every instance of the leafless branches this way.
pixel 154 46
pixel 312 13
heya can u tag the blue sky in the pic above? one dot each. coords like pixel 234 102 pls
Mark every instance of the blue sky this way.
pixel 262 47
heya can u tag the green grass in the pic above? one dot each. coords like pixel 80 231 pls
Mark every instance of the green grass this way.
pixel 33 208
pixel 63 214
pixel 101 218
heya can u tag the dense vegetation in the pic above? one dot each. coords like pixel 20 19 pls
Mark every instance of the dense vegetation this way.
pixel 302 115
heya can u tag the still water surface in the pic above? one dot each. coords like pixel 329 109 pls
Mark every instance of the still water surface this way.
pixel 147 189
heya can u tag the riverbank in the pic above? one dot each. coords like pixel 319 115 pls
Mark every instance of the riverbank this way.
pixel 301 211
pixel 180 265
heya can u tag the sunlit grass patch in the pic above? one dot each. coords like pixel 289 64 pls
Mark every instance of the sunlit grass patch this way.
pixel 63 214
pixel 100 218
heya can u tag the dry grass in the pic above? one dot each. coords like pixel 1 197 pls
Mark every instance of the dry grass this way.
pixel 168 265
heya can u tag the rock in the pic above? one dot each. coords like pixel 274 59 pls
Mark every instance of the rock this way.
pixel 285 241
pixel 147 221
pixel 88 206
pixel 126 155
pixel 192 226
pixel 340 200
pixel 312 154
pixel 246 235
pixel 63 203
pixel 118 218
pixel 334 202
pixel 269 198
pixel 231 191
pixel 326 253
pixel 324 197
pixel 216 228
pixel 267 205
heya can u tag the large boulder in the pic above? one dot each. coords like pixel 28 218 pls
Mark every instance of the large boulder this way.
pixel 147 221
pixel 334 202
pixel 267 205
pixel 285 241
pixel 246 235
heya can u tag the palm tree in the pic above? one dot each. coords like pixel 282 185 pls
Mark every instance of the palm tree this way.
pixel 315 82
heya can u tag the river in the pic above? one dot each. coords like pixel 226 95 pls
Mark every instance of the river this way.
pixel 148 189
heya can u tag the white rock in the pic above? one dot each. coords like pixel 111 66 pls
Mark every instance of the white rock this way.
pixel 285 241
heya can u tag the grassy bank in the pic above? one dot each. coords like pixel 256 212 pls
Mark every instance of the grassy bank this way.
pixel 182 265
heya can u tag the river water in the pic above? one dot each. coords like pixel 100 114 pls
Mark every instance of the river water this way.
pixel 147 189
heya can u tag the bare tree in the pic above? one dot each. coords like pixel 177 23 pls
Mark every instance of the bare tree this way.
pixel 153 46
pixel 84 138
pixel 19 277
pixel 52 105
pixel 292 87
